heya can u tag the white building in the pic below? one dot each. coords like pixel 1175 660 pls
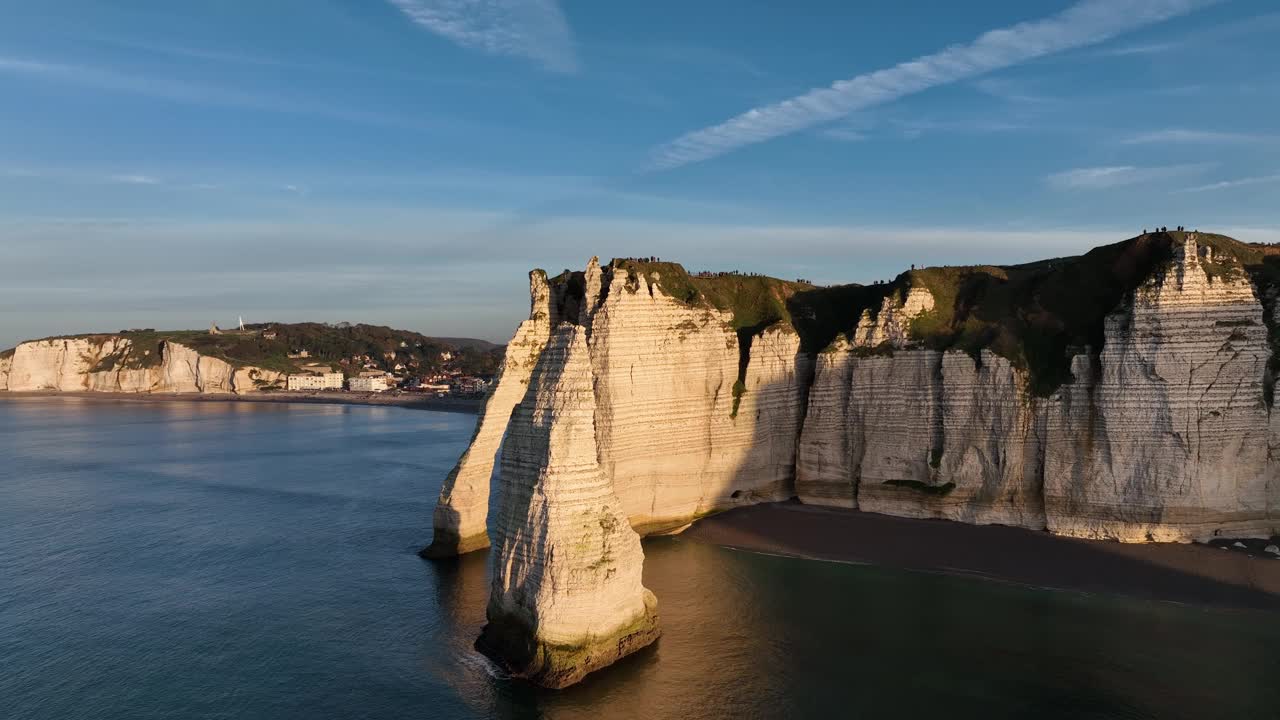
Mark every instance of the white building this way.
pixel 323 381
pixel 367 384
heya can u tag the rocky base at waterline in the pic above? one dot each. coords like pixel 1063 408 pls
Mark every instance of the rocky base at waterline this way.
pixel 446 543
pixel 511 643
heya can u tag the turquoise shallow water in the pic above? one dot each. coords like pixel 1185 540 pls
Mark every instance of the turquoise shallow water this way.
pixel 223 560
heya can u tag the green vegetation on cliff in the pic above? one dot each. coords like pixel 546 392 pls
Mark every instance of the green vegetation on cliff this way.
pixel 755 301
pixel 269 345
pixel 1036 315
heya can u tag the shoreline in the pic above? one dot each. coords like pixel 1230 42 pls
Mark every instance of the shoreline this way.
pixel 1206 575
pixel 414 402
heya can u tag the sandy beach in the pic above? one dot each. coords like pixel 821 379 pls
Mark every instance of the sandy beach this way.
pixel 406 400
pixel 1220 576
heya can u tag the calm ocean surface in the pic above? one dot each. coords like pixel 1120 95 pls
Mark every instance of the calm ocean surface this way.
pixel 224 560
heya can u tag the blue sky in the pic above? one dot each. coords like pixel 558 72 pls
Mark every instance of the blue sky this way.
pixel 407 161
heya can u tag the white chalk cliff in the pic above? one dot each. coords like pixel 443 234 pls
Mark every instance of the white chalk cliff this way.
pixel 1166 438
pixel 1161 430
pixel 566 596
pixel 1162 435
pixel 675 437
pixel 94 364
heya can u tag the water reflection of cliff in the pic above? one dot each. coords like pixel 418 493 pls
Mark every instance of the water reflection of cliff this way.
pixel 747 635
pixel 688 674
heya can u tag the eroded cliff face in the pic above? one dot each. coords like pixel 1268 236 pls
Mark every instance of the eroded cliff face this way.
pixel 566 595
pixel 684 428
pixel 88 364
pixel 920 433
pixel 1163 436
pixel 692 415
pixel 6 363
pixel 1166 437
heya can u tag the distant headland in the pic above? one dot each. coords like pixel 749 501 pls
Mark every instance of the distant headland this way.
pixel 339 362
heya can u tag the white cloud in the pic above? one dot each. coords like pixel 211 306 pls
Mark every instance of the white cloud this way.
pixel 181 91
pixel 1086 23
pixel 1179 135
pixel 1201 37
pixel 534 29
pixel 135 179
pixel 1140 49
pixel 1099 178
pixel 1239 182
pixel 843 134
pixel 78 176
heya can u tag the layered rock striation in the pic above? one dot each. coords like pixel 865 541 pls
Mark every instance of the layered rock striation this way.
pixel 566 595
pixel 95 364
pixel 1160 436
pixel 1165 437
pixel 693 415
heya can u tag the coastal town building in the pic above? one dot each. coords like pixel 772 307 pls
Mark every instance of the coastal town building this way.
pixel 322 381
pixel 367 384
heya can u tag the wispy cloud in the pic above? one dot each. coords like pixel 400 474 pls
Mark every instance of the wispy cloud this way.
pixel 1085 23
pixel 534 29
pixel 1014 92
pixel 1201 37
pixel 1139 49
pixel 1239 182
pixel 79 176
pixel 1176 135
pixel 1101 178
pixel 135 179
pixel 843 134
pixel 185 92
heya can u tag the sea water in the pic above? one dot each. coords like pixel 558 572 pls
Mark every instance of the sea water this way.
pixel 245 560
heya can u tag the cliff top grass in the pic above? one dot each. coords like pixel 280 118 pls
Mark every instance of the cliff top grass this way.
pixel 755 301
pixel 324 343
pixel 1037 315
